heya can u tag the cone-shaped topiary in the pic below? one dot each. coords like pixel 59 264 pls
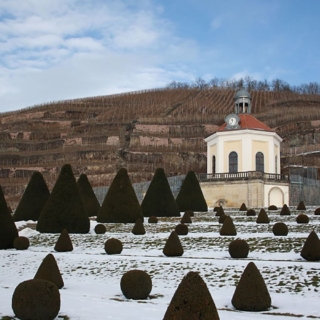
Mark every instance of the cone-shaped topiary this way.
pixel 138 228
pixel 317 211
pixel 272 208
pixel 302 218
pixel 222 218
pixel 173 247
pixel 64 208
pixel 262 217
pixel 33 200
pixel 280 229
pixel 64 243
pixel 251 213
pixel 88 197
pixel 113 246
pixel 219 211
pixel 190 196
pixel 136 284
pixel 49 270
pixel 301 206
pixel 243 207
pixel 228 228
pixel 36 299
pixel 311 248
pixel 215 209
pixel 192 300
pixel 8 229
pixel 181 229
pixel 186 218
pixel 100 228
pixel 238 248
pixel 251 293
pixel 120 204
pixel 153 219
pixel 285 211
pixel 21 243
pixel 159 200
pixel 190 212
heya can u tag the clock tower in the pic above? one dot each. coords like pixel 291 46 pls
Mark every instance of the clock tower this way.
pixel 243 155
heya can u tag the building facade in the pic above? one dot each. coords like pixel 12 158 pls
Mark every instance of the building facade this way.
pixel 243 161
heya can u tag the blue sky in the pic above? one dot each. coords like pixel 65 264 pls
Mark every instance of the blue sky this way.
pixel 64 49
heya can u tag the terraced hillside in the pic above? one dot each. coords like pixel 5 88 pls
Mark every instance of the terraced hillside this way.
pixel 142 131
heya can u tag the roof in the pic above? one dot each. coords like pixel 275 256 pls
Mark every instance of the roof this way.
pixel 247 121
pixel 242 93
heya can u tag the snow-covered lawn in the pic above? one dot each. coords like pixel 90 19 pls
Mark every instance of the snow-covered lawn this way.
pixel 92 278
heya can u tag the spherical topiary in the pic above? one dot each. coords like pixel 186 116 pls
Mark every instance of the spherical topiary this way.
pixel 262 217
pixel 251 293
pixel 173 247
pixel 192 300
pixel 113 246
pixel 285 211
pixel 153 219
pixel 311 248
pixel 186 218
pixel 317 211
pixel 302 218
pixel 64 243
pixel 272 208
pixel 238 248
pixel 138 228
pixel 181 229
pixel 222 218
pixel 228 228
pixel 136 284
pixel 190 212
pixel 100 228
pixel 36 299
pixel 21 243
pixel 280 229
pixel 243 207
pixel 251 213
pixel 301 206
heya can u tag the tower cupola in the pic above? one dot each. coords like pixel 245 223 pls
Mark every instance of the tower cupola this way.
pixel 242 102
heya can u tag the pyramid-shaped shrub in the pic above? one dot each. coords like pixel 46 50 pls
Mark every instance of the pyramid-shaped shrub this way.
pixel 192 300
pixel 159 200
pixel 222 218
pixel 219 211
pixel 33 200
pixel 64 208
pixel 251 293
pixel 173 247
pixel 120 205
pixel 228 228
pixel 285 211
pixel 301 206
pixel 8 230
pixel 138 228
pixel 49 270
pixel 64 243
pixel 88 197
pixel 262 217
pixel 190 196
pixel 186 218
pixel 243 207
pixel 311 248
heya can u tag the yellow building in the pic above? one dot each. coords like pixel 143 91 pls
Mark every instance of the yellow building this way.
pixel 243 161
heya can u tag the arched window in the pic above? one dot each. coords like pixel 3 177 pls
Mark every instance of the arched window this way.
pixel 259 161
pixel 213 164
pixel 233 162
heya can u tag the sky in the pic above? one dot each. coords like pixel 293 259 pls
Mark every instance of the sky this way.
pixel 66 49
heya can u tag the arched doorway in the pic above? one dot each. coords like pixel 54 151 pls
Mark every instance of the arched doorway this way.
pixel 276 197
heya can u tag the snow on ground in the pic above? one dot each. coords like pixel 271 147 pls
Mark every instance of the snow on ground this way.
pixel 92 278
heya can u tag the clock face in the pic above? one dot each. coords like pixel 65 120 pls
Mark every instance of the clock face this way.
pixel 232 121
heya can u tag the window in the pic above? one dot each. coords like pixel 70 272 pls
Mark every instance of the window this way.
pixel 233 162
pixel 213 164
pixel 259 161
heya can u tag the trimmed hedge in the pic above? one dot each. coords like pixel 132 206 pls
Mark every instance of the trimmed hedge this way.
pixel 153 219
pixel 301 206
pixel 120 204
pixel 262 217
pixel 228 228
pixel 238 248
pixel 100 228
pixel 190 196
pixel 243 207
pixel 21 243
pixel 173 247
pixel 280 229
pixel 113 246
pixel 272 208
pixel 311 248
pixel 186 218
pixel 285 211
pixel 251 213
pixel 64 243
pixel 302 218
pixel 138 228
pixel 181 229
